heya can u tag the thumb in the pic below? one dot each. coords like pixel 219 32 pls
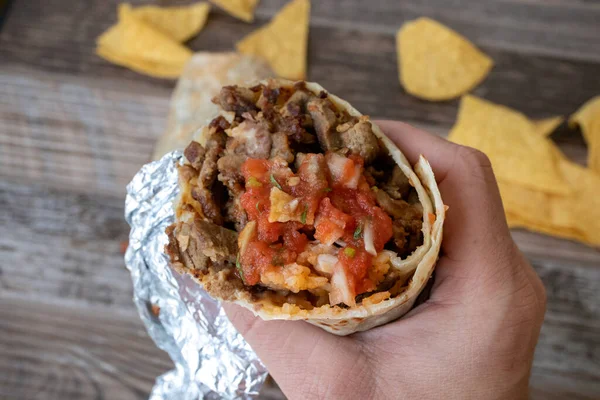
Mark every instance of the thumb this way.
pixel 475 230
pixel 294 349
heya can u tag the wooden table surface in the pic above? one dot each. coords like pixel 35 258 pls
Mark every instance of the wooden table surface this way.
pixel 74 129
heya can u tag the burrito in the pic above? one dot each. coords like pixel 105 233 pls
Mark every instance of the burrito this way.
pixel 296 206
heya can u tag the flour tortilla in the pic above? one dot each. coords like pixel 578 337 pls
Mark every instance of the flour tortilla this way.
pixel 345 321
pixel 201 80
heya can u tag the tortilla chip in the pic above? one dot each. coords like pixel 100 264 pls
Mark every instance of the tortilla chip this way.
pixel 588 119
pixel 283 41
pixel 517 153
pixel 545 127
pixel 515 221
pixel 157 70
pixel 241 9
pixel 178 23
pixel 134 44
pixel 573 216
pixel 437 63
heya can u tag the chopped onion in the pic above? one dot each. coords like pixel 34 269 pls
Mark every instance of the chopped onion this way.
pixel 293 181
pixel 368 238
pixel 352 183
pixel 341 292
pixel 337 165
pixel 326 263
pixel 246 235
pixel 338 168
pixel 228 115
pixel 293 204
pixel 384 257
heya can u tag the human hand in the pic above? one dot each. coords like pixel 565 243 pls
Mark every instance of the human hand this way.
pixel 474 338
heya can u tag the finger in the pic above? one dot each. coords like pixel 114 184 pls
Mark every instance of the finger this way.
pixel 475 229
pixel 287 348
pixel 413 142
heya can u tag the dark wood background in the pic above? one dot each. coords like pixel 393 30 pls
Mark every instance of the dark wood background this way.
pixel 74 129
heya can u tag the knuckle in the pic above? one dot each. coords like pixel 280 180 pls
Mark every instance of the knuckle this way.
pixel 476 165
pixel 474 157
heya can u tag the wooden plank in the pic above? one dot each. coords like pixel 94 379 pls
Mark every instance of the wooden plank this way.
pixel 63 352
pixel 566 359
pixel 66 246
pixel 77 133
pixel 80 264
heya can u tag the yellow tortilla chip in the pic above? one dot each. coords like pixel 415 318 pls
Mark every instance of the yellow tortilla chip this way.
pixel 437 63
pixel 134 44
pixel 241 9
pixel 283 41
pixel 588 119
pixel 179 23
pixel 141 66
pixel 574 216
pixel 545 127
pixel 515 221
pixel 517 153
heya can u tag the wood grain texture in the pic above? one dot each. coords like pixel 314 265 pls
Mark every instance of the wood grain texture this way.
pixel 77 133
pixel 57 352
pixel 74 129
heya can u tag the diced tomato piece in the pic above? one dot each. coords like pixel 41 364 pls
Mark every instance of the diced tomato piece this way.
pixel 382 228
pixel 343 172
pixel 254 201
pixel 258 169
pixel 294 240
pixel 357 263
pixel 327 231
pixel 257 257
pixel 269 232
pixel 328 210
pixel 331 222
pixel 282 255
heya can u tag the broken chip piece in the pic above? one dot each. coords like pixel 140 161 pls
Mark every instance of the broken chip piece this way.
pixel 241 9
pixel 134 44
pixel 545 127
pixel 180 23
pixel 541 189
pixel 572 216
pixel 436 63
pixel 588 119
pixel 283 41
pixel 508 137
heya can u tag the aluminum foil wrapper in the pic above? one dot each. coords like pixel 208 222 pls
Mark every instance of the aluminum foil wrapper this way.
pixel 212 360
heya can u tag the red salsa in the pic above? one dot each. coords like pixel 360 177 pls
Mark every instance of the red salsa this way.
pixel 329 194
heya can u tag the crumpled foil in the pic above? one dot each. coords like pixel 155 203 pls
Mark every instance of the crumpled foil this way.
pixel 212 360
